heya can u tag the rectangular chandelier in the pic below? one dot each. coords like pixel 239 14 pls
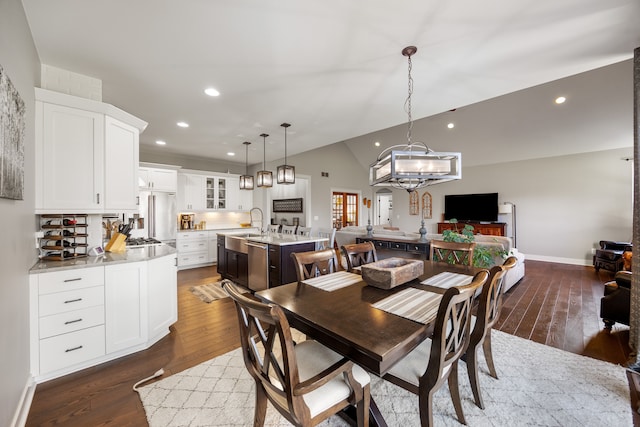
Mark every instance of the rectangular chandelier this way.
pixel 427 167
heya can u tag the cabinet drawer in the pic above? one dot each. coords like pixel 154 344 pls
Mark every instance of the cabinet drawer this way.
pixel 68 349
pixel 193 246
pixel 380 244
pixel 67 280
pixel 192 235
pixel 63 302
pixel 71 321
pixel 398 246
pixel 193 258
pixel 417 247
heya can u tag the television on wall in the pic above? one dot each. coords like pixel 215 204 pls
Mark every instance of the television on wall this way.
pixel 471 207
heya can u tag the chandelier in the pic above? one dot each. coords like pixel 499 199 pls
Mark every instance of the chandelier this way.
pixel 286 174
pixel 246 180
pixel 413 165
pixel 264 177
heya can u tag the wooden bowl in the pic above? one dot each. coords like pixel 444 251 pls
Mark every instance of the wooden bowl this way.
pixel 391 272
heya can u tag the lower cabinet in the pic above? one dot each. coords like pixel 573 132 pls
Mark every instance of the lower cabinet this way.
pixel 282 269
pixel 237 267
pixel 125 305
pixel 162 296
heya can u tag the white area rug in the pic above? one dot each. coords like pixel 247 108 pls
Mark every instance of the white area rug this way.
pixel 538 386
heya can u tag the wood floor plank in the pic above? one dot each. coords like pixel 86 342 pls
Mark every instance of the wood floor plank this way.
pixel 562 300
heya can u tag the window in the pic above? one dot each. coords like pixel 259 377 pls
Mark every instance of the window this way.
pixel 344 209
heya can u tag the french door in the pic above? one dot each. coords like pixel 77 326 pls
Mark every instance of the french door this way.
pixel 344 209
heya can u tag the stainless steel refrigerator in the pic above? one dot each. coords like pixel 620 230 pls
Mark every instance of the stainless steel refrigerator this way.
pixel 159 212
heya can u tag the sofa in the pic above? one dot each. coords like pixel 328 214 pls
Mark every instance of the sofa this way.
pixel 347 235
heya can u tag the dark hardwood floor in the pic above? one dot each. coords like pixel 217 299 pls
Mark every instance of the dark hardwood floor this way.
pixel 554 304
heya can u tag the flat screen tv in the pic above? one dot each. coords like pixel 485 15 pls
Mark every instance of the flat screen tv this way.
pixel 471 207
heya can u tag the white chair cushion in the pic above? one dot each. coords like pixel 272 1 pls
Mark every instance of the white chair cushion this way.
pixel 313 358
pixel 414 364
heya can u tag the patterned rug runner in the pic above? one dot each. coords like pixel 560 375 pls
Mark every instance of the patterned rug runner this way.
pixel 209 292
pixel 538 386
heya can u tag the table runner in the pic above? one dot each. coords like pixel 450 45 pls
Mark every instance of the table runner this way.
pixel 413 304
pixel 333 281
pixel 448 280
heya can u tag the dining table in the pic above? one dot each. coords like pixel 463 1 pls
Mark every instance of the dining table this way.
pixel 343 316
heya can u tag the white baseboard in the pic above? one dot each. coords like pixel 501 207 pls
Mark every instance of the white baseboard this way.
pixel 24 405
pixel 559 260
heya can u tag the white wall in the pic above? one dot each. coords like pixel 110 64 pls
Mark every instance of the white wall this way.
pixel 19 59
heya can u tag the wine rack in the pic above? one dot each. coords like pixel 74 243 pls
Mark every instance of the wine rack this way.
pixel 65 236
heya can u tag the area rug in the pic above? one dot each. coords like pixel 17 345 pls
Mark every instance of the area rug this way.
pixel 209 292
pixel 538 386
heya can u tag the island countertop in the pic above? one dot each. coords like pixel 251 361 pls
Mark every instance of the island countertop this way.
pixel 142 253
pixel 277 239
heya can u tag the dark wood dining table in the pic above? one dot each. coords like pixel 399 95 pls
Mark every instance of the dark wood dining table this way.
pixel 346 321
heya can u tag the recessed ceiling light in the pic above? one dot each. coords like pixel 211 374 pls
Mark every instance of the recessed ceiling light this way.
pixel 211 91
pixel 377 144
pixel 451 125
pixel 159 142
pixel 231 153
pixel 560 100
pixel 183 124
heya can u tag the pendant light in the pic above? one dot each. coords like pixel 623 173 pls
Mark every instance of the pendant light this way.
pixel 264 177
pixel 286 173
pixel 413 165
pixel 246 180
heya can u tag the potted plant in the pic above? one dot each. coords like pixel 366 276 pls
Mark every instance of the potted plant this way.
pixel 483 256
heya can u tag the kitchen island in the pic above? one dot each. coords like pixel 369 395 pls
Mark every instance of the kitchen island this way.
pixel 260 261
pixel 90 310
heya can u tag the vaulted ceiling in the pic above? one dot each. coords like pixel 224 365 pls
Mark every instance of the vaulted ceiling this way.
pixel 332 68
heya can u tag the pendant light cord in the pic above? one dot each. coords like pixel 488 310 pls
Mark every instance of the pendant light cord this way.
pixel 407 103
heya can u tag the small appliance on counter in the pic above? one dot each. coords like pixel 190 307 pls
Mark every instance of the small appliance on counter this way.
pixel 186 221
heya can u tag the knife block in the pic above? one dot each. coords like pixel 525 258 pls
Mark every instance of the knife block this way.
pixel 117 243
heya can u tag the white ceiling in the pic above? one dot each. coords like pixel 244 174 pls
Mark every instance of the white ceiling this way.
pixel 331 68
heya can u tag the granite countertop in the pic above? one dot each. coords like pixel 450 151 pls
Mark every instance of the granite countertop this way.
pixel 278 239
pixel 142 253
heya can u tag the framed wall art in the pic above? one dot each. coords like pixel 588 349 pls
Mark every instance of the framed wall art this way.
pixel 426 205
pixel 12 123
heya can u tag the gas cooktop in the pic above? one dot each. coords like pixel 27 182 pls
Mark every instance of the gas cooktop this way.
pixel 142 241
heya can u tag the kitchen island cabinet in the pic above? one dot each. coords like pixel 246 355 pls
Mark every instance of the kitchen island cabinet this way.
pixel 91 310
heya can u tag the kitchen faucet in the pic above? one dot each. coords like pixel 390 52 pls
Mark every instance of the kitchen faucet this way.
pixel 260 220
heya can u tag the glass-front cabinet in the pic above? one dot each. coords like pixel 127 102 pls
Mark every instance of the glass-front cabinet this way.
pixel 217 197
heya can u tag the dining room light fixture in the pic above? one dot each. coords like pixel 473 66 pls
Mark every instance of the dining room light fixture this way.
pixel 286 174
pixel 413 165
pixel 246 180
pixel 264 177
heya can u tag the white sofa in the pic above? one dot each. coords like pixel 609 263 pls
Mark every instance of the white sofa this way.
pixel 347 235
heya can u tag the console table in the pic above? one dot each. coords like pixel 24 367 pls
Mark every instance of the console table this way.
pixel 489 229
pixel 413 247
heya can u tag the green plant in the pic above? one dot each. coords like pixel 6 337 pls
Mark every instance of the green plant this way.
pixel 483 256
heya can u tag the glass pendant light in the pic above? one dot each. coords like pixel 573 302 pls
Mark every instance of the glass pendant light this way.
pixel 286 174
pixel 264 177
pixel 246 180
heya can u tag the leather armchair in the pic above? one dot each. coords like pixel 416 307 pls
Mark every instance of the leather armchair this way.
pixel 609 256
pixel 616 303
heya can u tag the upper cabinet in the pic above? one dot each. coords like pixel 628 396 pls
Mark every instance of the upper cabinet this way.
pixel 206 191
pixel 86 155
pixel 156 179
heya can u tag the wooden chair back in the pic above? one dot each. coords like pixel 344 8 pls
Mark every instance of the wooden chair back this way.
pixel 288 229
pixel 270 357
pixel 273 228
pixel 358 254
pixel 451 252
pixel 315 263
pixel 303 231
pixel 329 233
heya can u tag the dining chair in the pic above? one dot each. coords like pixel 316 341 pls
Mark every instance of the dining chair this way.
pixel 288 229
pixel 329 233
pixel 358 254
pixel 306 382
pixel 424 369
pixel 451 252
pixel 303 231
pixel 489 307
pixel 273 228
pixel 315 263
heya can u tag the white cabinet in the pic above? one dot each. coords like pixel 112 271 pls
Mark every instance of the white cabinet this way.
pixel 193 247
pixel 121 152
pixel 191 192
pixel 126 315
pixel 158 179
pixel 86 155
pixel 213 247
pixel 162 295
pixel 217 193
